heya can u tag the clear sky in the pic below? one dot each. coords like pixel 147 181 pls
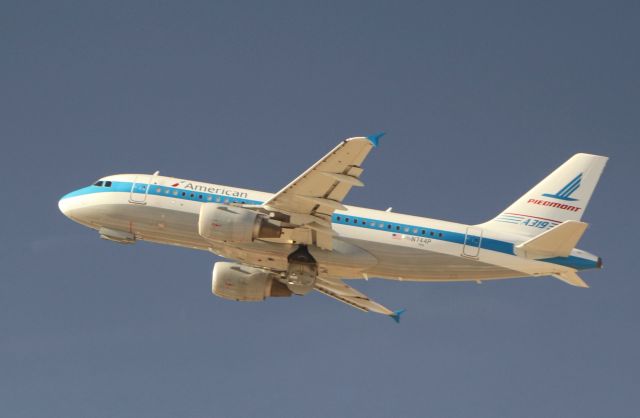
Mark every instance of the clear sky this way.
pixel 480 100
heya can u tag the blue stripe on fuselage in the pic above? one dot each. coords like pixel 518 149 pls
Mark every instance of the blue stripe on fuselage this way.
pixel 341 219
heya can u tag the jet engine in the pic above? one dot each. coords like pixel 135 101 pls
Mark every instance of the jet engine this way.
pixel 243 283
pixel 227 223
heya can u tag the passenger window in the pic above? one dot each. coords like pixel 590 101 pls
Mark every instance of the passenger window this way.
pixel 431 233
pixel 338 218
pixel 184 193
pixel 192 195
pixel 423 232
pixel 388 226
pixel 440 234
pixel 209 198
pixel 200 197
pixel 397 227
pixel 346 219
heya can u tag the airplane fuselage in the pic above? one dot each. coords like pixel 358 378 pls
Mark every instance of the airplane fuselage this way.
pixel 367 242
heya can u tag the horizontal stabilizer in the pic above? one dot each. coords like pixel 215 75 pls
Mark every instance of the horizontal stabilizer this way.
pixel 570 277
pixel 556 242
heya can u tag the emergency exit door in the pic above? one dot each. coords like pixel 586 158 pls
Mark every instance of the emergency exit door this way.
pixel 472 242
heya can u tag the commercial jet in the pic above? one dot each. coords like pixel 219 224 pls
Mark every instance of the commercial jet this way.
pixel 305 238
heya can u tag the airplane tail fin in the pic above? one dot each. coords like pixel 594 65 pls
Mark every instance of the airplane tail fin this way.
pixel 562 196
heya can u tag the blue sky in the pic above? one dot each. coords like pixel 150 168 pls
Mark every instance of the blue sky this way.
pixel 480 101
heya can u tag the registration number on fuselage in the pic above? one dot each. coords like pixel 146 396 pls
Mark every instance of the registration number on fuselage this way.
pixel 420 241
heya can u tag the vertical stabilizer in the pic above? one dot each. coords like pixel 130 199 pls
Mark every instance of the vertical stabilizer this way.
pixel 562 196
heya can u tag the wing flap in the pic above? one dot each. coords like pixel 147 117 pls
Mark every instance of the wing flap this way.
pixel 344 178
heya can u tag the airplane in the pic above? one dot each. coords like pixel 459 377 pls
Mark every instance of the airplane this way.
pixel 305 238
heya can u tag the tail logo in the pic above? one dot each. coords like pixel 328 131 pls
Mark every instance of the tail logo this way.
pixel 566 192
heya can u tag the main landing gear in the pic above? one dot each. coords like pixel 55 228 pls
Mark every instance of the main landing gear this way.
pixel 302 271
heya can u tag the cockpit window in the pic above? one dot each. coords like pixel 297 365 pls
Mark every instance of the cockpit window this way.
pixel 107 184
pixel 99 183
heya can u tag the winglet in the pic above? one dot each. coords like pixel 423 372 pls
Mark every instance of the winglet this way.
pixel 375 138
pixel 396 315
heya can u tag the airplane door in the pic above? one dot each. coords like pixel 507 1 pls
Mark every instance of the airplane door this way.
pixel 140 190
pixel 472 242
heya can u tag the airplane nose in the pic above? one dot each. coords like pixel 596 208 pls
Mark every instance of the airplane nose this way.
pixel 63 205
pixel 71 207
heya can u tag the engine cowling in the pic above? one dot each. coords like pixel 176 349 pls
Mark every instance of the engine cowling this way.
pixel 243 283
pixel 219 222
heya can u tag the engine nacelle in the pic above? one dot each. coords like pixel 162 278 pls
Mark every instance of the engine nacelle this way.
pixel 243 283
pixel 227 223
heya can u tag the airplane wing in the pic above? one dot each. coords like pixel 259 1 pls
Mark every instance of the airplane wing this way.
pixel 310 199
pixel 337 289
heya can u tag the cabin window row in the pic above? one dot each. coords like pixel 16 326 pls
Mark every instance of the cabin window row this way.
pixel 389 226
pixel 199 196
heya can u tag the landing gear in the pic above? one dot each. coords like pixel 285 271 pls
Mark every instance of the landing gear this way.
pixel 302 271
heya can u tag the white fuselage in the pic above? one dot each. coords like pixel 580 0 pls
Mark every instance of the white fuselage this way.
pixel 368 243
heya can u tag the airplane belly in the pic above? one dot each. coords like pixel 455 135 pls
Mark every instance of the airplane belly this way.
pixel 344 260
pixel 402 263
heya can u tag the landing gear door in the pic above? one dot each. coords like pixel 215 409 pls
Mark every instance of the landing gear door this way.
pixel 140 189
pixel 472 242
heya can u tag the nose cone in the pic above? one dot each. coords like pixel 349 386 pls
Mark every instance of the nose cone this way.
pixel 67 205
pixel 64 206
